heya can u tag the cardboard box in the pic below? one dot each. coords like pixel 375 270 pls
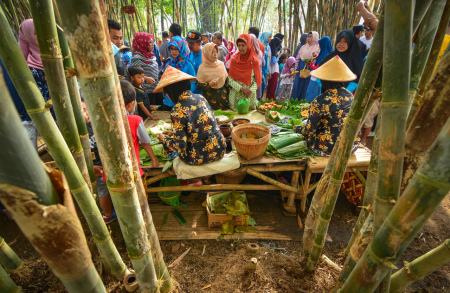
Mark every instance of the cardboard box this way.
pixel 216 220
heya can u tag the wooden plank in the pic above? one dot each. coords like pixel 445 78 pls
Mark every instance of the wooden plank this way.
pixel 209 235
pixel 360 160
pixel 267 160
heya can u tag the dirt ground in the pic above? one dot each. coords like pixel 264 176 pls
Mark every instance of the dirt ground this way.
pixel 223 266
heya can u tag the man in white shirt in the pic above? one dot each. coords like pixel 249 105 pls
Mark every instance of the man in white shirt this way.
pixel 368 37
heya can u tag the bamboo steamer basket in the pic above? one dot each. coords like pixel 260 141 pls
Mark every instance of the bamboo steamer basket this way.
pixel 251 148
pixel 231 177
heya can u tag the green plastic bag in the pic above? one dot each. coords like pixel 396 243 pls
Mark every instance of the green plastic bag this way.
pixel 243 105
pixel 170 197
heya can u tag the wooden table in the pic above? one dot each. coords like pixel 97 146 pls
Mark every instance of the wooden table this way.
pixel 255 167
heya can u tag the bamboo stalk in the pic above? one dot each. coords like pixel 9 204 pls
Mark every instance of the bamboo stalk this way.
pixel 45 27
pixel 425 36
pixel 38 110
pixel 65 249
pixel 420 267
pixel 420 9
pixel 8 258
pixel 7 285
pixel 97 82
pixel 428 187
pixel 272 181
pixel 348 136
pixel 428 121
pixel 75 100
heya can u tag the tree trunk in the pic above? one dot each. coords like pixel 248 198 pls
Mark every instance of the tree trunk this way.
pixel 428 187
pixel 38 110
pixel 8 258
pixel 98 85
pixel 44 205
pixel 348 136
pixel 420 267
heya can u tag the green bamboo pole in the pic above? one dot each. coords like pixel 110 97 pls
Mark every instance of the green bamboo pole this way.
pixel 394 109
pixel 369 190
pixel 424 40
pixel 429 119
pixel 420 9
pixel 349 132
pixel 7 285
pixel 45 27
pixel 428 187
pixel 49 221
pixel 435 49
pixel 162 273
pixel 75 100
pixel 83 21
pixel 38 110
pixel 420 267
pixel 8 258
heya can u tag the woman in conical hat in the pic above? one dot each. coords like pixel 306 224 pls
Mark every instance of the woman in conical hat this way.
pixel 328 111
pixel 196 134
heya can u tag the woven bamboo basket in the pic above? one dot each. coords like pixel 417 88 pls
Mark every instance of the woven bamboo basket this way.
pixel 251 148
pixel 231 177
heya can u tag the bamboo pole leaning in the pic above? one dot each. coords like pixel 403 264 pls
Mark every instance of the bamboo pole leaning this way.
pixel 428 187
pixel 162 274
pixel 44 206
pixel 348 136
pixel 39 112
pixel 420 9
pixel 84 21
pixel 429 119
pixel 420 267
pixel 422 47
pixel 7 285
pixel 45 27
pixel 8 258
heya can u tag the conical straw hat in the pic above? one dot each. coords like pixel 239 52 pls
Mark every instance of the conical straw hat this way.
pixel 171 75
pixel 334 70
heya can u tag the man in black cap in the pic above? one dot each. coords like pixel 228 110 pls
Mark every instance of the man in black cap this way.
pixel 194 40
pixel 206 38
pixel 368 37
pixel 358 30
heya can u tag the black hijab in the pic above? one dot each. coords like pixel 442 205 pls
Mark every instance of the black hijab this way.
pixel 352 56
pixel 279 35
pixel 274 44
pixel 302 42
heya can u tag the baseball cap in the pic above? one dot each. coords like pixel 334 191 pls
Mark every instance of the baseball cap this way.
pixel 194 36
pixel 368 28
pixel 358 28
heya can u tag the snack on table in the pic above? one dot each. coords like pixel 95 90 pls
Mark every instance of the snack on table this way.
pixel 268 106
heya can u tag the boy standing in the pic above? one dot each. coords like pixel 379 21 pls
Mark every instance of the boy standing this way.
pixel 137 78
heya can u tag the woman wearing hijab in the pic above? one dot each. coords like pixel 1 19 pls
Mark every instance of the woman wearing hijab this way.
pixel 274 69
pixel 245 73
pixel 309 50
pixel 212 78
pixel 143 56
pixel 179 59
pixel 232 51
pixel 259 49
pixel 349 51
pixel 314 85
pixel 265 39
pixel 30 50
pixel 281 37
pixel 302 42
pixel 287 80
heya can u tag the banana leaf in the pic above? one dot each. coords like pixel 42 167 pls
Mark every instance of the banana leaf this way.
pixel 281 141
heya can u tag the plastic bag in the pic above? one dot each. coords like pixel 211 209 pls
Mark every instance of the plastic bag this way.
pixel 243 106
pixel 170 197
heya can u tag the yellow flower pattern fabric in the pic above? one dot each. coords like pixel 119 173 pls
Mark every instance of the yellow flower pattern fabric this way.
pixel 327 114
pixel 197 136
pixel 217 98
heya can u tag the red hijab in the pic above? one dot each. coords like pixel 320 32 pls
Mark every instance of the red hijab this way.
pixel 242 65
pixel 141 44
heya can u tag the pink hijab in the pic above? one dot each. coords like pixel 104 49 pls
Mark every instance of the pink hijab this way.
pixel 307 51
pixel 289 64
pixel 28 45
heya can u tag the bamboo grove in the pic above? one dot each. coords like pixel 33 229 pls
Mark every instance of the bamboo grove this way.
pixel 232 17
pixel 406 182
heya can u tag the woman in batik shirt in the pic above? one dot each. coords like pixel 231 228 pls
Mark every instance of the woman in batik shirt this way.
pixel 197 137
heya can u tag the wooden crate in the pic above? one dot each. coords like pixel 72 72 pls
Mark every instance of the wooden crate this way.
pixel 216 220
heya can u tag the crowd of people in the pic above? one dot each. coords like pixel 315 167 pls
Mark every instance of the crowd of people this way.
pixel 194 75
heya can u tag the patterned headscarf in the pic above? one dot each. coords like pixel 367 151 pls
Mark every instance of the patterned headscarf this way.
pixel 141 44
pixel 265 38
pixel 181 60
